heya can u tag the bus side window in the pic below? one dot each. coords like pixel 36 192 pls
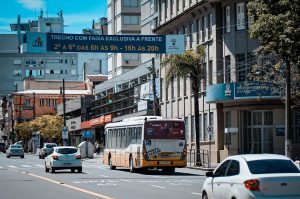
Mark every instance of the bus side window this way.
pixel 128 136
pixel 114 139
pixel 133 135
pixel 119 138
pixel 107 139
pixel 138 134
pixel 123 145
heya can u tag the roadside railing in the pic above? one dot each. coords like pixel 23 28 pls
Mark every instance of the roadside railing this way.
pixel 192 158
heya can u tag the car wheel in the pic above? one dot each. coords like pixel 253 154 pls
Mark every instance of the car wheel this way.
pixel 79 170
pixel 131 168
pixel 40 157
pixel 22 156
pixel 8 156
pixel 73 170
pixel 204 196
pixel 168 170
pixel 46 169
pixel 52 170
pixel 111 167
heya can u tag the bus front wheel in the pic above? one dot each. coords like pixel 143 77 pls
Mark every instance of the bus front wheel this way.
pixel 131 168
pixel 111 167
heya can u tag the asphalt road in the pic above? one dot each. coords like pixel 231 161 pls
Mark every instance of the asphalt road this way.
pixel 26 178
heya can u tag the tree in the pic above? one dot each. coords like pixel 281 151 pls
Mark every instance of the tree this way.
pixel 276 26
pixel 190 64
pixel 50 127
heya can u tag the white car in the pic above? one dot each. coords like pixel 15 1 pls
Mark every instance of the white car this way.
pixel 253 176
pixel 63 157
pixel 15 150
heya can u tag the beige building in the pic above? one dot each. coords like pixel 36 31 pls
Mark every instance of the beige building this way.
pixel 124 17
pixel 234 118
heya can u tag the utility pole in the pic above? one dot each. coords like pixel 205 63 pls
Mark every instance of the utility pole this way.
pixel 288 111
pixel 155 99
pixel 64 102
pixel 33 105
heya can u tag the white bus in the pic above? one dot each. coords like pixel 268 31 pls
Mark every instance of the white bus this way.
pixel 145 142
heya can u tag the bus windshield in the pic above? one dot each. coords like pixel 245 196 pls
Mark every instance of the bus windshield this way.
pixel 164 130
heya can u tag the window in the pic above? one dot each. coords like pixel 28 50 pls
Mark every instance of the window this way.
pixel 227 19
pixel 184 87
pixel 131 20
pixel 48 102
pixel 17 72
pixel 166 8
pixel 153 6
pixel 204 27
pixel 221 171
pixel 234 168
pixel 198 31
pixel 130 3
pixel 40 72
pixel 73 72
pixel 74 61
pixel 241 67
pixel 173 83
pixel 55 102
pixel 172 4
pixel 212 125
pixel 51 71
pixel 191 32
pixel 205 77
pixel 192 128
pixel 268 118
pixel 61 71
pixel 200 127
pixel 209 25
pixel 186 37
pixel 42 104
pixel 295 128
pixel 205 127
pixel 186 123
pixel 178 87
pixel 227 69
pixel 210 68
pixel 240 16
pixel 27 102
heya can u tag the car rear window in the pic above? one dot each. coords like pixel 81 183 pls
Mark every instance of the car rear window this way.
pixel 16 146
pixel 50 145
pixel 66 151
pixel 272 166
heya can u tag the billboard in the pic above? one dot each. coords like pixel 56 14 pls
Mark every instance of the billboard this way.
pixel 59 42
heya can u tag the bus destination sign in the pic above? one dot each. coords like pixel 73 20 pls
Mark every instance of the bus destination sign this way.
pixel 59 42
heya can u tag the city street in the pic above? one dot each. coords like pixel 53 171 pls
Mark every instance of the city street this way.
pixel 26 178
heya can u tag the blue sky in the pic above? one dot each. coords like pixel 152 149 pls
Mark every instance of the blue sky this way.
pixel 78 14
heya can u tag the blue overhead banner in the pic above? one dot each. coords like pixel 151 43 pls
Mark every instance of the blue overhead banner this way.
pixel 58 42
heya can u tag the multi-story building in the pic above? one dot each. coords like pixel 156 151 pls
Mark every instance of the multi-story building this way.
pixel 234 117
pixel 124 17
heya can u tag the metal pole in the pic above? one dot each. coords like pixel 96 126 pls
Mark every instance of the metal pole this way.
pixel 153 72
pixel 288 111
pixel 33 105
pixel 209 135
pixel 64 108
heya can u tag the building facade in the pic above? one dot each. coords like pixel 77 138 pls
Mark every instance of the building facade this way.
pixel 124 17
pixel 249 121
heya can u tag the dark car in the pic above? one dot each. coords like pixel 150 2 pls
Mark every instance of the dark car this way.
pixel 44 151
pixel 2 147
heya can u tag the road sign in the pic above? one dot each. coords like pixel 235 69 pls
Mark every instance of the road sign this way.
pixel 210 129
pixel 65 133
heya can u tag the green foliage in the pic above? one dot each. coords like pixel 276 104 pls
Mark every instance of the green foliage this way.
pixel 189 64
pixel 276 26
pixel 49 126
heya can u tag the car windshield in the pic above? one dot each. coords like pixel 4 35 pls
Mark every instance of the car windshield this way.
pixel 66 150
pixel 272 166
pixel 16 146
pixel 50 145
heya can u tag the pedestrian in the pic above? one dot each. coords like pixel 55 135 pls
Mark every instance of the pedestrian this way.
pixel 97 144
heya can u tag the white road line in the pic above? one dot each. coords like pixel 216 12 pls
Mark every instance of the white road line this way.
pixel 158 186
pixel 148 181
pixel 199 194
pixel 125 180
pixel 1 167
pixel 157 177
pixel 12 166
pixel 24 165
pixel 39 165
pixel 104 176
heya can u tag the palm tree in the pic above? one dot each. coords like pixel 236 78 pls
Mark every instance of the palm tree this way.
pixel 190 64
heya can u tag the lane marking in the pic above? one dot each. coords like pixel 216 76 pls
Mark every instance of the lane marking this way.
pixel 12 166
pixel 70 186
pixel 158 186
pixel 24 165
pixel 39 165
pixel 199 194
pixel 104 176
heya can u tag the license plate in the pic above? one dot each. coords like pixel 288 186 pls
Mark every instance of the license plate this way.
pixel 164 162
pixel 67 163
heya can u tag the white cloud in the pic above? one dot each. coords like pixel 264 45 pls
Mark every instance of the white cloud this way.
pixel 32 4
